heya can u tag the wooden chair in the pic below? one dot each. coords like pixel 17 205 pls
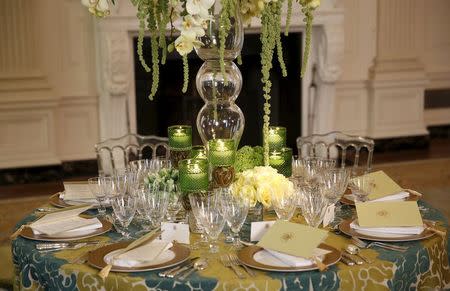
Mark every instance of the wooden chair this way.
pixel 337 145
pixel 114 154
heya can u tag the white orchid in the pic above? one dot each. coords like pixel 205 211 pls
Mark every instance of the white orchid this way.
pixel 199 7
pixel 99 8
pixel 176 8
pixel 186 42
pixel 193 24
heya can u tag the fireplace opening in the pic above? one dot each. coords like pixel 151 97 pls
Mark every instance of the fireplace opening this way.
pixel 171 106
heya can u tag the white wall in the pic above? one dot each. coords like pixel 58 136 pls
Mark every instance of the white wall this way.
pixel 48 99
pixel 406 43
pixel 48 91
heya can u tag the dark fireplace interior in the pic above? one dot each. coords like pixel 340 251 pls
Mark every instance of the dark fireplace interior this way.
pixel 171 106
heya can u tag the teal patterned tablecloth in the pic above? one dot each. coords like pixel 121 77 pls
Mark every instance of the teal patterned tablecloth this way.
pixel 424 266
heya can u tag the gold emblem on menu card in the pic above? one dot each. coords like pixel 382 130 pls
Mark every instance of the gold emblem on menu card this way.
pixel 382 213
pixel 287 236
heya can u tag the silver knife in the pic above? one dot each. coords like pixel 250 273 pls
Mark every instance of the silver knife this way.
pixel 182 269
pixel 168 272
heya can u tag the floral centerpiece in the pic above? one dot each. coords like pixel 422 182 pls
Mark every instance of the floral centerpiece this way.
pixel 187 22
pixel 163 179
pixel 261 184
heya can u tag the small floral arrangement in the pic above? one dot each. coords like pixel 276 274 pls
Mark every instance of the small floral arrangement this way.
pixel 261 184
pixel 163 179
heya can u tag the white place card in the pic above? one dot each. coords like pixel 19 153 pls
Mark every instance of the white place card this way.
pixel 259 228
pixel 175 231
pixel 329 215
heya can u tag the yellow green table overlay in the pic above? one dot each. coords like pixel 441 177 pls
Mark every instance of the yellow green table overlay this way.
pixel 425 266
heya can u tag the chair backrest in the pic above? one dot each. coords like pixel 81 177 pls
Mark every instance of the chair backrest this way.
pixel 114 154
pixel 336 145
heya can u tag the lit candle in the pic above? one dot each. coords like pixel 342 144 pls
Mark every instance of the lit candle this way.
pixel 282 161
pixel 276 137
pixel 180 137
pixel 198 152
pixel 221 152
pixel 193 174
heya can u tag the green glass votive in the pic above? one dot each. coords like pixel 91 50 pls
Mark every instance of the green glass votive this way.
pixel 193 175
pixel 221 152
pixel 180 137
pixel 198 152
pixel 281 160
pixel 276 137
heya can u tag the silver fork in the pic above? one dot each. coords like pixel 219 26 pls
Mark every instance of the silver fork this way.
pixel 227 263
pixel 363 244
pixel 234 259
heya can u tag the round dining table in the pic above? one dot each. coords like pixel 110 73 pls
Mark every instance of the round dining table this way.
pixel 424 266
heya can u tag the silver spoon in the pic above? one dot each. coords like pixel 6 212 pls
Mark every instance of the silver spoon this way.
pixel 199 265
pixel 354 250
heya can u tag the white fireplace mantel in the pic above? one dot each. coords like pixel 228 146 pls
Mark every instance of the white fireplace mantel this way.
pixel 114 51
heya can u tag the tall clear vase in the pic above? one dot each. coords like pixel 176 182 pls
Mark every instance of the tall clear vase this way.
pixel 220 117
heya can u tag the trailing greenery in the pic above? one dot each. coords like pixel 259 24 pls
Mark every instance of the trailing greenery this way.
pixel 157 17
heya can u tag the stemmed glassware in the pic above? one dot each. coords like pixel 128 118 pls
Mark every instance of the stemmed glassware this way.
pixel 361 187
pixel 155 204
pixel 313 203
pixel 124 207
pixel 234 209
pixel 206 209
pixel 311 167
pixel 173 204
pixel 284 204
pixel 95 186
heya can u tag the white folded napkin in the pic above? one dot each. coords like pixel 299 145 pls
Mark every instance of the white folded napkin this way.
pixel 403 230
pixel 77 191
pixel 66 227
pixel 148 253
pixel 274 258
pixel 397 196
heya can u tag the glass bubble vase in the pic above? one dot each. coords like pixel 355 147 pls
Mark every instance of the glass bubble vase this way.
pixel 220 117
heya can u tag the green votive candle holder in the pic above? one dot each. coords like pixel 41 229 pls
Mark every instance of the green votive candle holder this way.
pixel 221 152
pixel 276 137
pixel 281 160
pixel 180 137
pixel 198 152
pixel 193 175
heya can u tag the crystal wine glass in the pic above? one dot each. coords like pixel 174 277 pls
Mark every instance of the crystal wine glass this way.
pixel 206 209
pixel 361 187
pixel 313 204
pixel 156 202
pixel 124 207
pixel 174 204
pixel 96 189
pixel 284 204
pixel 235 209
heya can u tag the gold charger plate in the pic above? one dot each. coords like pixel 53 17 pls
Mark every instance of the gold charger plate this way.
pixel 97 258
pixel 347 201
pixel 56 201
pixel 27 232
pixel 246 256
pixel 344 226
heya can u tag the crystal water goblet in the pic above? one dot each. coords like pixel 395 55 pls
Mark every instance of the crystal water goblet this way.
pixel 361 187
pixel 206 209
pixel 234 209
pixel 124 208
pixel 156 202
pixel 284 204
pixel 313 167
pixel 313 204
pixel 97 190
pixel 174 204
